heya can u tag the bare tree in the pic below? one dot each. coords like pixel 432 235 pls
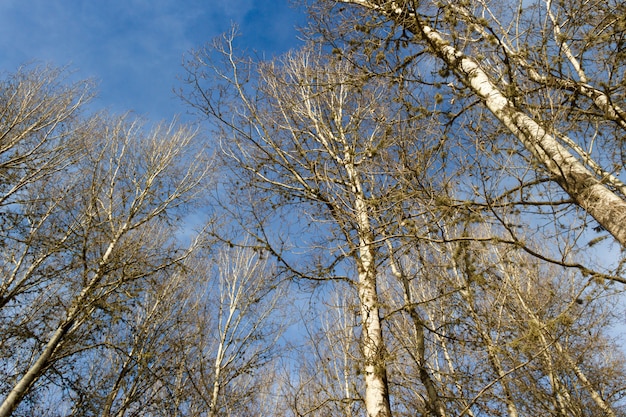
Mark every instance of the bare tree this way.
pixel 237 324
pixel 312 135
pixel 354 173
pixel 39 113
pixel 106 222
pixel 38 140
pixel 545 71
pixel 496 322
pixel 196 341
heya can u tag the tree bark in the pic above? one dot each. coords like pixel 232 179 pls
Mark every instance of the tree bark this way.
pixel 376 386
pixel 36 370
pixel 588 191
pixel 377 401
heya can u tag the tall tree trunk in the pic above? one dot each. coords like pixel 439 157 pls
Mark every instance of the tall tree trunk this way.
pixel 36 370
pixel 583 186
pixel 377 401
pixel 376 386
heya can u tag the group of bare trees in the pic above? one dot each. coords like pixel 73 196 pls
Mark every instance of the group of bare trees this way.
pixel 449 165
pixel 435 178
pixel 109 304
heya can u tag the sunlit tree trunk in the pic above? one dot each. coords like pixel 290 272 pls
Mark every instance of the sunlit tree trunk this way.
pixel 309 142
pixel 585 187
pixel 373 346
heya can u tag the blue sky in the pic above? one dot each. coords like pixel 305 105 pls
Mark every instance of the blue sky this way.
pixel 134 48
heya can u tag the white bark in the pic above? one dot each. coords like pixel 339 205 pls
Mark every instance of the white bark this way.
pixel 334 136
pixel 585 188
pixel 21 388
pixel 376 387
pixel 579 182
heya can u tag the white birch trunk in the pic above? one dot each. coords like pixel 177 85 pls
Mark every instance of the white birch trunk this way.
pixel 376 387
pixel 578 181
pixel 585 188
pixel 21 388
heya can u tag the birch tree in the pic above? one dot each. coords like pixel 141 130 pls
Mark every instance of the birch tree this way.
pixel 348 166
pixel 306 135
pixel 548 74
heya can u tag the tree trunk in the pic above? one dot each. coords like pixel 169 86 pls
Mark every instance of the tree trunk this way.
pixel 36 370
pixel 376 386
pixel 606 207
pixel 434 403
pixel 45 359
